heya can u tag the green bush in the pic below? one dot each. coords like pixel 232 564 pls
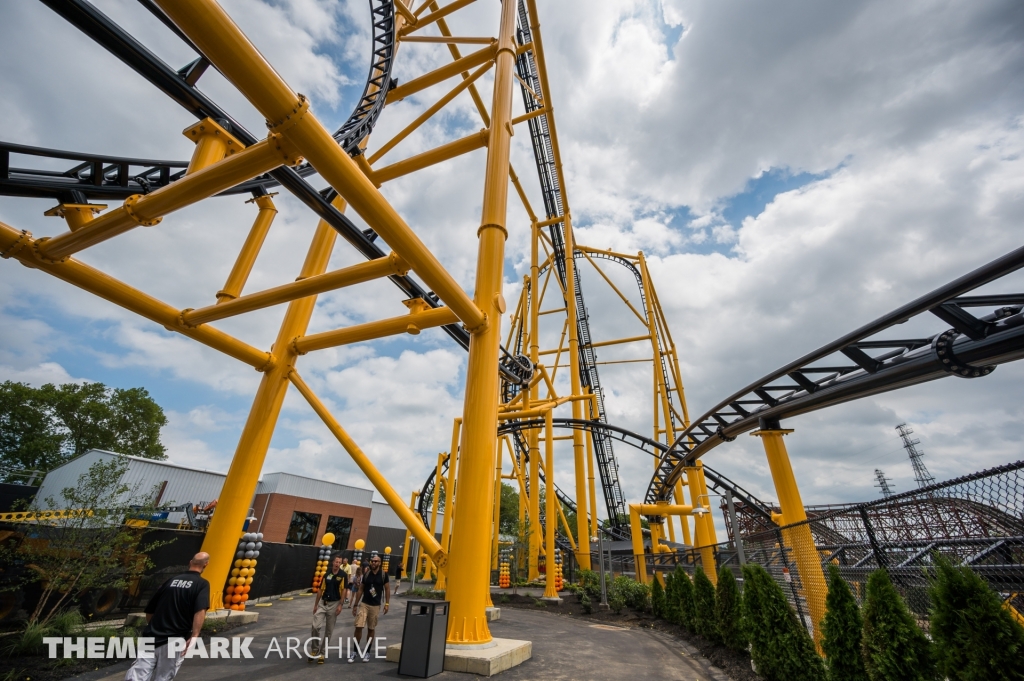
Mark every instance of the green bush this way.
pixel 29 641
pixel 780 646
pixel 729 611
pixel 686 607
pixel 894 647
pixel 672 596
pixel 657 598
pixel 585 602
pixel 975 637
pixel 633 593
pixel 704 606
pixel 590 581
pixel 842 629
pixel 616 602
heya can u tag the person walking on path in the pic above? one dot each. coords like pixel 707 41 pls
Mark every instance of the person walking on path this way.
pixel 176 611
pixel 346 567
pixel 366 605
pixel 327 607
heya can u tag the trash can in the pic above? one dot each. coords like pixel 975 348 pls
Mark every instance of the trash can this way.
pixel 423 637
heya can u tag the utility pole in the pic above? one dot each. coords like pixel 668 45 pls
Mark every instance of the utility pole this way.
pixel 921 474
pixel 883 483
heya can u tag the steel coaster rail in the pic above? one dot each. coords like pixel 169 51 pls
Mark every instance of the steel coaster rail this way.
pixel 970 349
pixel 551 189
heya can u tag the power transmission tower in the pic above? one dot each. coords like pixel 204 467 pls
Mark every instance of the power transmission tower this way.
pixel 921 474
pixel 883 483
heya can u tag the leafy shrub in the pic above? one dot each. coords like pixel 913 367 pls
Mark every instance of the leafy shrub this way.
pixel 780 646
pixel 616 602
pixel 975 637
pixel 686 606
pixel 894 647
pixel 672 596
pixel 729 611
pixel 633 593
pixel 842 628
pixel 657 598
pixel 29 641
pixel 704 606
pixel 590 581
pixel 585 602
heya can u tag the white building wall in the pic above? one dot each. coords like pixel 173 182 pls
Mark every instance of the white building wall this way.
pixel 184 485
pixel 310 488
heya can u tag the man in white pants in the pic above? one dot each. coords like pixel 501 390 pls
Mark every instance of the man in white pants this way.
pixel 177 610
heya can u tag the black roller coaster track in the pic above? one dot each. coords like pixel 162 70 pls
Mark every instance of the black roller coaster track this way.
pixel 972 348
pixel 551 189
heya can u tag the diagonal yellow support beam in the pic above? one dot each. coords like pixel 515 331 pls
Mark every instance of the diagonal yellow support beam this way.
pixel 379 482
pixel 21 246
pixel 411 323
pixel 287 113
pixel 321 283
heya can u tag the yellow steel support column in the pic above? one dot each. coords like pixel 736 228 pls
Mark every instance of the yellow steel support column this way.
pixel 496 520
pixel 637 535
pixel 703 525
pixel 240 483
pixel 590 470
pixel 808 562
pixel 550 514
pixel 449 501
pixel 250 249
pixel 533 499
pixel 470 571
pixel 436 500
pixel 213 143
pixel 680 499
pixel 408 534
pixel 579 460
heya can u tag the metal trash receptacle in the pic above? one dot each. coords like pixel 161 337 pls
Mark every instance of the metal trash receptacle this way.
pixel 423 638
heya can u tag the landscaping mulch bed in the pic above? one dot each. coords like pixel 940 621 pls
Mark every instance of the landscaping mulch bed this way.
pixel 735 664
pixel 41 668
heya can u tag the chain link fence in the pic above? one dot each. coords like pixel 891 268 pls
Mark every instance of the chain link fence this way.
pixel 975 521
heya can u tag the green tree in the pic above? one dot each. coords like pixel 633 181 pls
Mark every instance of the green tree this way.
pixel 729 611
pixel 780 646
pixel 91 548
pixel 508 522
pixel 975 637
pixel 842 630
pixel 29 438
pixel 894 647
pixel 704 606
pixel 672 612
pixel 657 598
pixel 42 428
pixel 686 605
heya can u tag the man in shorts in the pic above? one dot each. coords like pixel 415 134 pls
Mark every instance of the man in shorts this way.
pixel 347 569
pixel 177 610
pixel 327 607
pixel 366 605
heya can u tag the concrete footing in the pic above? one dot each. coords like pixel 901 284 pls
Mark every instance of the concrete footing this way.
pixel 552 601
pixel 138 619
pixel 493 614
pixel 505 654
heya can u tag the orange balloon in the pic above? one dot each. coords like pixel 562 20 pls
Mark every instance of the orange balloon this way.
pixel 245 589
pixel 230 590
pixel 245 597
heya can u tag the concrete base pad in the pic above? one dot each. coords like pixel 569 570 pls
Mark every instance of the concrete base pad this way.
pixel 138 619
pixel 553 601
pixel 493 614
pixel 506 654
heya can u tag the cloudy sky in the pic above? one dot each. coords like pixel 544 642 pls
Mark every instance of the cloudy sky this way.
pixel 792 170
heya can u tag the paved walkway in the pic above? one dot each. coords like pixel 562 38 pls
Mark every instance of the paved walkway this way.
pixel 564 648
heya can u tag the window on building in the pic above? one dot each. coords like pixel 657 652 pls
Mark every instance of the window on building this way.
pixel 341 527
pixel 303 528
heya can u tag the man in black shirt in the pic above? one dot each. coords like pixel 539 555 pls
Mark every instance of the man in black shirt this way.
pixel 177 610
pixel 374 587
pixel 327 607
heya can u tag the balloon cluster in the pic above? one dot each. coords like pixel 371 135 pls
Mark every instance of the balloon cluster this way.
pixel 323 560
pixel 558 569
pixel 357 555
pixel 504 569
pixel 242 570
pixel 387 558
